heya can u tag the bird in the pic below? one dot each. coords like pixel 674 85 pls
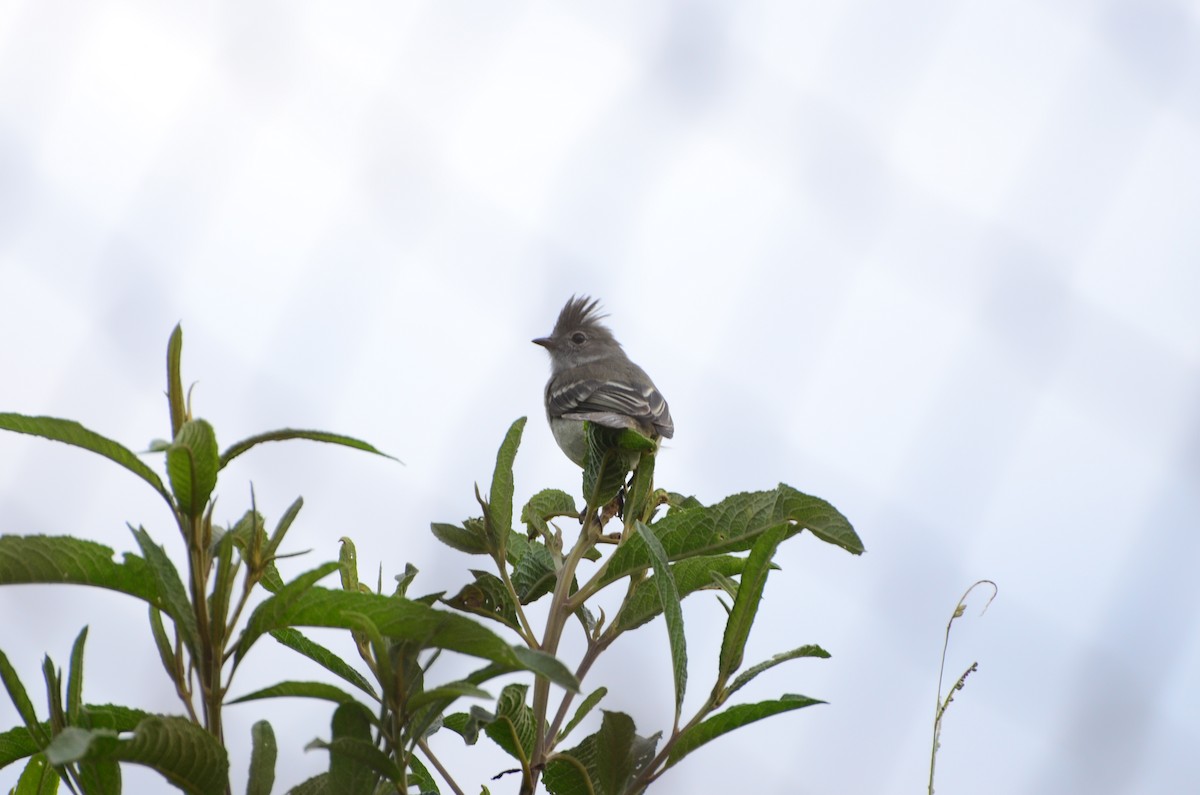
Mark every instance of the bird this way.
pixel 591 379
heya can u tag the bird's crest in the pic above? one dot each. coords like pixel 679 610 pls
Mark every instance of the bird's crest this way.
pixel 581 312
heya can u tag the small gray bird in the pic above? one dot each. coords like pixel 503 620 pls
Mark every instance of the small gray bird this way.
pixel 592 379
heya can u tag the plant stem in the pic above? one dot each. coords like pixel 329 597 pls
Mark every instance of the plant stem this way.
pixel 433 760
pixel 555 621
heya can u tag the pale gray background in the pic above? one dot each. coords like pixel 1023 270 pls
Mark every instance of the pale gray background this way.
pixel 934 261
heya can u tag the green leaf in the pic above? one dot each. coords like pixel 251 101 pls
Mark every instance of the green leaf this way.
pixel 175 397
pixel 513 727
pixel 500 500
pixel 447 692
pixel 745 607
pixel 690 574
pixel 18 743
pixel 612 756
pixel 587 706
pixel 534 574
pixel 732 525
pixel 262 759
pixel 403 581
pixel 166 650
pixel 272 612
pixel 38 778
pixel 668 595
pixel 546 665
pixel 604 465
pixel 285 523
pixel 420 777
pixel 75 678
pixel 72 433
pixel 639 505
pixel 192 466
pixel 487 597
pixel 430 712
pixel 285 434
pixel 294 689
pixel 546 505
pixel 54 560
pixel 348 565
pixel 185 754
pixel 20 699
pixel 733 718
pixel 403 619
pixel 566 775
pixel 745 676
pixel 173 598
pixel 354 762
pixel 471 538
pixel 317 785
pixel 323 657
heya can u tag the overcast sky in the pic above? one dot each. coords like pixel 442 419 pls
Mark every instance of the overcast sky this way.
pixel 934 261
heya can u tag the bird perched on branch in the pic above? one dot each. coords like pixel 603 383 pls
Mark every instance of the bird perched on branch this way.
pixel 592 379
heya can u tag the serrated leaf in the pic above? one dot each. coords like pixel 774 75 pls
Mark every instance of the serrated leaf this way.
pixel 546 505
pixel 403 619
pixel 612 756
pixel 604 465
pixel 271 613
pixel 745 607
pixel 470 538
pixel 500 498
pixel 286 434
pixel 691 575
pixel 263 752
pixel 742 679
pixel 566 775
pixel 55 560
pixel 182 752
pixel 74 434
pixel 668 595
pixel 192 467
pixel 513 725
pixel 733 718
pixel 487 597
pixel 295 689
pixel 582 711
pixel 534 574
pixel 169 586
pixel 317 785
pixel 323 657
pixel 18 743
pixel 732 525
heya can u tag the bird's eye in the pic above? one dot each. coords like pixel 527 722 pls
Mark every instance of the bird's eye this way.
pixel 578 338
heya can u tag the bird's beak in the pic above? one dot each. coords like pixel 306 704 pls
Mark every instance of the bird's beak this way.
pixel 543 341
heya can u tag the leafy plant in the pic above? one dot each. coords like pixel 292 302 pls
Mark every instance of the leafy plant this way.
pixel 207 620
pixel 657 560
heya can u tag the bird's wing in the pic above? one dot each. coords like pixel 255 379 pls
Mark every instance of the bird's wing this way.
pixel 615 404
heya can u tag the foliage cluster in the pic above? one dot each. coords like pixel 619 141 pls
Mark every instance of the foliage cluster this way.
pixel 207 615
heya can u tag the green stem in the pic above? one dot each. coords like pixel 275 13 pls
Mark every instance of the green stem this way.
pixel 557 618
